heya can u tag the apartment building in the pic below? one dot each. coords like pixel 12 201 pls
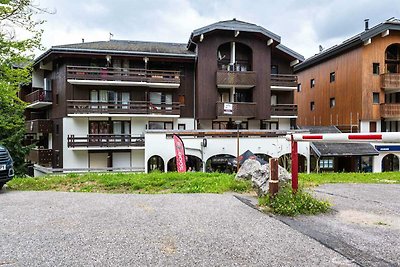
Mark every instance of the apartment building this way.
pixel 113 104
pixel 355 86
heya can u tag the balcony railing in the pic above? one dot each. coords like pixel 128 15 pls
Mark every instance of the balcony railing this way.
pixel 284 80
pixel 130 107
pixel 390 111
pixel 122 74
pixel 105 140
pixel 238 78
pixel 39 126
pixel 284 110
pixel 237 109
pixel 41 156
pixel 390 80
pixel 39 96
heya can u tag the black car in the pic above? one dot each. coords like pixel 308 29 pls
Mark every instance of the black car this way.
pixel 6 166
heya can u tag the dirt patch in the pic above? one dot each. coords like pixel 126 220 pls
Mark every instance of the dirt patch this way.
pixel 369 219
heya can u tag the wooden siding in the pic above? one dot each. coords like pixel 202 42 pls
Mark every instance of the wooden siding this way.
pixel 207 66
pixel 374 53
pixel 243 78
pixel 239 109
pixel 346 89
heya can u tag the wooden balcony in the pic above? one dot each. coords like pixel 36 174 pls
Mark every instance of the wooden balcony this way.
pixel 390 81
pixel 284 81
pixel 239 79
pixel 284 110
pixel 81 107
pixel 41 156
pixel 121 76
pixel 39 126
pixel 236 109
pixel 105 141
pixel 39 98
pixel 390 111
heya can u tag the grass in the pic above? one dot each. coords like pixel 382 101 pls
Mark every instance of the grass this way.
pixel 315 179
pixel 152 183
pixel 289 204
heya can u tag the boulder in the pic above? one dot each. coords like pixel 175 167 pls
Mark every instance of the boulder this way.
pixel 252 170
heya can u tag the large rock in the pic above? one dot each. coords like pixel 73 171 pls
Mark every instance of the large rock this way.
pixel 252 170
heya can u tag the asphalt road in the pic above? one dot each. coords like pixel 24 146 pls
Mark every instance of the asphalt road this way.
pixel 364 224
pixel 81 229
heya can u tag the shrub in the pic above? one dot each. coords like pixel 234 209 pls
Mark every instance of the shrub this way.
pixel 289 204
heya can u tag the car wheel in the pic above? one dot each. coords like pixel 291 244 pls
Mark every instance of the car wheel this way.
pixel 1 185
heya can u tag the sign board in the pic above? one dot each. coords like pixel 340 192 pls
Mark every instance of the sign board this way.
pixel 228 107
pixel 393 148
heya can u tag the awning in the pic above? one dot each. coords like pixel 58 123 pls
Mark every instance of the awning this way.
pixel 343 149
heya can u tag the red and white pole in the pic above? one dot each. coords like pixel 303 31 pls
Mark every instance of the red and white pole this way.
pixel 295 165
pixel 391 137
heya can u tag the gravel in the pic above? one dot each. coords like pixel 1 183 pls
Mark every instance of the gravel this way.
pixel 80 229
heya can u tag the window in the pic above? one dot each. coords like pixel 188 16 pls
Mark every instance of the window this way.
pixel 375 98
pixel 56 99
pixel 312 106
pixel 121 99
pixel 326 163
pixel 230 125
pixel 375 68
pixel 312 83
pixel 299 87
pixel 332 102
pixel 159 98
pixel 269 125
pixel 274 69
pixel 161 125
pixel 181 126
pixel 57 129
pixel 332 77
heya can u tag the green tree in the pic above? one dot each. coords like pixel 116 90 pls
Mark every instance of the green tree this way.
pixel 16 56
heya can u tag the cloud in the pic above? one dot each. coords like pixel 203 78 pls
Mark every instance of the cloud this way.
pixel 303 25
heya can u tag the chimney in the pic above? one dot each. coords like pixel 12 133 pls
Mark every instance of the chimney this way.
pixel 366 24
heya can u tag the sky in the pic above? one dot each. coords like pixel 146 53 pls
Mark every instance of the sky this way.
pixel 303 25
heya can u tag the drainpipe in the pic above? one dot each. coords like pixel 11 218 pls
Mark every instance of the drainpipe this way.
pixel 194 86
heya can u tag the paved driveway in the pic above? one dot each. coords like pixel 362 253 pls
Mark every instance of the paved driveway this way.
pixel 364 225
pixel 75 229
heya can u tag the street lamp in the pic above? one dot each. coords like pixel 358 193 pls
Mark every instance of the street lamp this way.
pixel 237 145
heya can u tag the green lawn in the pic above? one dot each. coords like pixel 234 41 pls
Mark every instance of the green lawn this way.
pixel 152 183
pixel 315 179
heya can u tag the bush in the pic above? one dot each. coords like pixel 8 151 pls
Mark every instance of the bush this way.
pixel 289 204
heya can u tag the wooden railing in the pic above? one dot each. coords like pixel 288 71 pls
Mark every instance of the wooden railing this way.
pixel 41 156
pixel 130 107
pixel 241 78
pixel 39 126
pixel 390 110
pixel 122 74
pixel 284 80
pixel 105 140
pixel 390 80
pixel 39 96
pixel 284 110
pixel 242 109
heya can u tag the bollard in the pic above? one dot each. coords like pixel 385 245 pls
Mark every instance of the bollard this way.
pixel 273 177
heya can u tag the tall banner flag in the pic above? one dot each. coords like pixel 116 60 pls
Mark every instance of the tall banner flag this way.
pixel 180 154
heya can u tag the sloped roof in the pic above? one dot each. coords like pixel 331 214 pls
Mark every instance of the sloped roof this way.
pixel 235 25
pixel 338 149
pixel 123 47
pixel 343 149
pixel 355 41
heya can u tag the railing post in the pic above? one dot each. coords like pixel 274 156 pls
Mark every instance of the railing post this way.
pixel 273 177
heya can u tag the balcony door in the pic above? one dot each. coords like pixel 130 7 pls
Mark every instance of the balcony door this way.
pixel 160 100
pixel 120 100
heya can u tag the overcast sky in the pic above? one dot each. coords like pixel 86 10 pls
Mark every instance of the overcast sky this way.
pixel 302 24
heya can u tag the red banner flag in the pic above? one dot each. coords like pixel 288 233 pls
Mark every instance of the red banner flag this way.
pixel 180 154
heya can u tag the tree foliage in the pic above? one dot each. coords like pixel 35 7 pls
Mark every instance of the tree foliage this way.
pixel 16 55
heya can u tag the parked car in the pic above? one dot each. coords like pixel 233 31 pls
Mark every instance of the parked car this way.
pixel 6 166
